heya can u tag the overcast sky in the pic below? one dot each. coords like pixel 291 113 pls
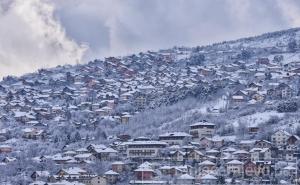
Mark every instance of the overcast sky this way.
pixel 46 33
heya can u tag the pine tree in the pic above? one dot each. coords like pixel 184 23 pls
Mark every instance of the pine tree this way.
pixel 56 139
pixel 77 136
pixel 68 138
pixel 87 138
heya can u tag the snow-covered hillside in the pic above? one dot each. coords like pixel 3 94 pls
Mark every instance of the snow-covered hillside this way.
pixel 85 118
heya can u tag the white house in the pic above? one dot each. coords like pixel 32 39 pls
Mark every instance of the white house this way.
pixel 206 167
pixel 144 149
pixel 260 154
pixel 235 168
pixel 185 179
pixel 208 179
pixel 174 138
pixel 202 129
pixel 98 180
pixel 280 137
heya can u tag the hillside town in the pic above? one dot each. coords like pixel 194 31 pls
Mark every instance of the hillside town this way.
pixel 94 124
pixel 180 158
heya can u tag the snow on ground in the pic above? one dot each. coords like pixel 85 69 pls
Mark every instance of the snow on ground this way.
pixel 291 122
pixel 182 56
pixel 266 42
pixel 290 57
pixel 181 118
pixel 257 118
pixel 218 104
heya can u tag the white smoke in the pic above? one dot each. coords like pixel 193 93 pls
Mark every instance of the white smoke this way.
pixel 129 26
pixel 291 10
pixel 40 33
pixel 31 38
